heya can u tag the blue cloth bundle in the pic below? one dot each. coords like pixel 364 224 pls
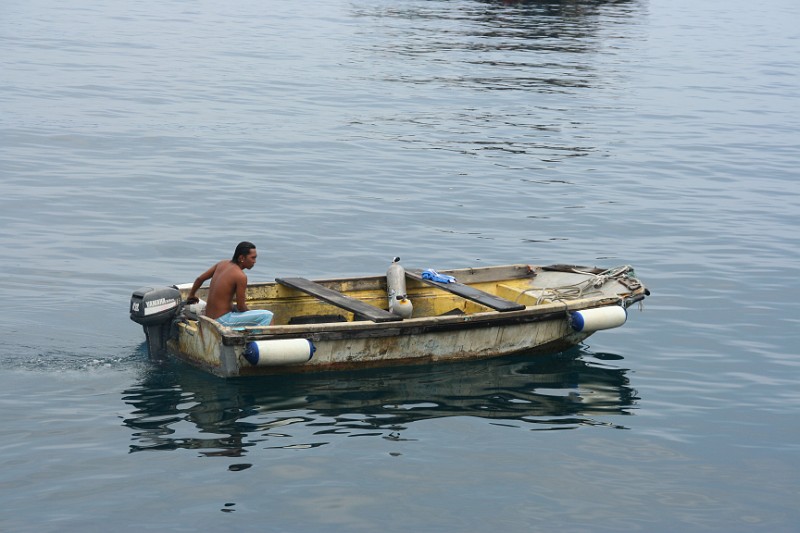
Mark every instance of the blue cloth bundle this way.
pixel 432 275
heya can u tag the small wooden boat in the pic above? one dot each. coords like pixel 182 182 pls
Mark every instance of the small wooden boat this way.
pixel 411 318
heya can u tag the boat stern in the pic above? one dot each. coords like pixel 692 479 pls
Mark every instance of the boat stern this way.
pixel 209 345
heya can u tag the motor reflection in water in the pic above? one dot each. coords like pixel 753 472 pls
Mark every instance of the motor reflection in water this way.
pixel 177 407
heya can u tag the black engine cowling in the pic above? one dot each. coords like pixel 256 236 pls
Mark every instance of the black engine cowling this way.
pixel 155 309
pixel 155 305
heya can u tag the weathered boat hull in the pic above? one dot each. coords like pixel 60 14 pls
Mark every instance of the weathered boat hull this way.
pixel 445 326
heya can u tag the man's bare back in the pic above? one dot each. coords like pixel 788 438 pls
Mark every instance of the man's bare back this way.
pixel 225 282
pixel 228 283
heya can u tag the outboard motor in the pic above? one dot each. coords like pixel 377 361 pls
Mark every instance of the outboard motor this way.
pixel 155 308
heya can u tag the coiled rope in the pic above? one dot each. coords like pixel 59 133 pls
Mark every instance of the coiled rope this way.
pixel 583 289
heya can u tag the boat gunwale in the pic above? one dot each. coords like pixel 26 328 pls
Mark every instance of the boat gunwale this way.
pixel 367 328
pixel 535 313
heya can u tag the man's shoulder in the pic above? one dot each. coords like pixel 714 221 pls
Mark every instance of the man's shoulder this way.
pixel 227 268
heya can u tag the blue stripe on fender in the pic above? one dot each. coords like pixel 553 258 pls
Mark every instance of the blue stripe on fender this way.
pixel 577 320
pixel 311 349
pixel 251 353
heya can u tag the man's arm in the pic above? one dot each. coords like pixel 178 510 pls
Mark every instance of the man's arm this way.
pixel 241 286
pixel 199 282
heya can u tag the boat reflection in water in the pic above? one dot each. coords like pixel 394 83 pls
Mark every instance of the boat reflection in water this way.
pixel 227 417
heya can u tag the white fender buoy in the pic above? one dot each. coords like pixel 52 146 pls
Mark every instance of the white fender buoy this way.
pixel 279 352
pixel 591 320
pixel 399 304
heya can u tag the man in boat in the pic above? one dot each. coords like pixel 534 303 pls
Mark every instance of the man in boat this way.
pixel 228 281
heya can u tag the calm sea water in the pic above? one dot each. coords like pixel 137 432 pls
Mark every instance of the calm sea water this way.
pixel 139 141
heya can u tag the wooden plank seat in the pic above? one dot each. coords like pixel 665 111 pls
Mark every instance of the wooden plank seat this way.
pixel 470 293
pixel 338 299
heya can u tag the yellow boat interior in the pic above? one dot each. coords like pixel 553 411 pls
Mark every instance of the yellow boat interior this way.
pixel 523 285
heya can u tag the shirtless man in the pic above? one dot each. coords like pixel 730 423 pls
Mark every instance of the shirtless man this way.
pixel 228 281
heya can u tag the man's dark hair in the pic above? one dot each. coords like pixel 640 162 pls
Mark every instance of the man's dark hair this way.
pixel 243 248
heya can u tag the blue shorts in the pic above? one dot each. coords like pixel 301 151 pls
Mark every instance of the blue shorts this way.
pixel 256 317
